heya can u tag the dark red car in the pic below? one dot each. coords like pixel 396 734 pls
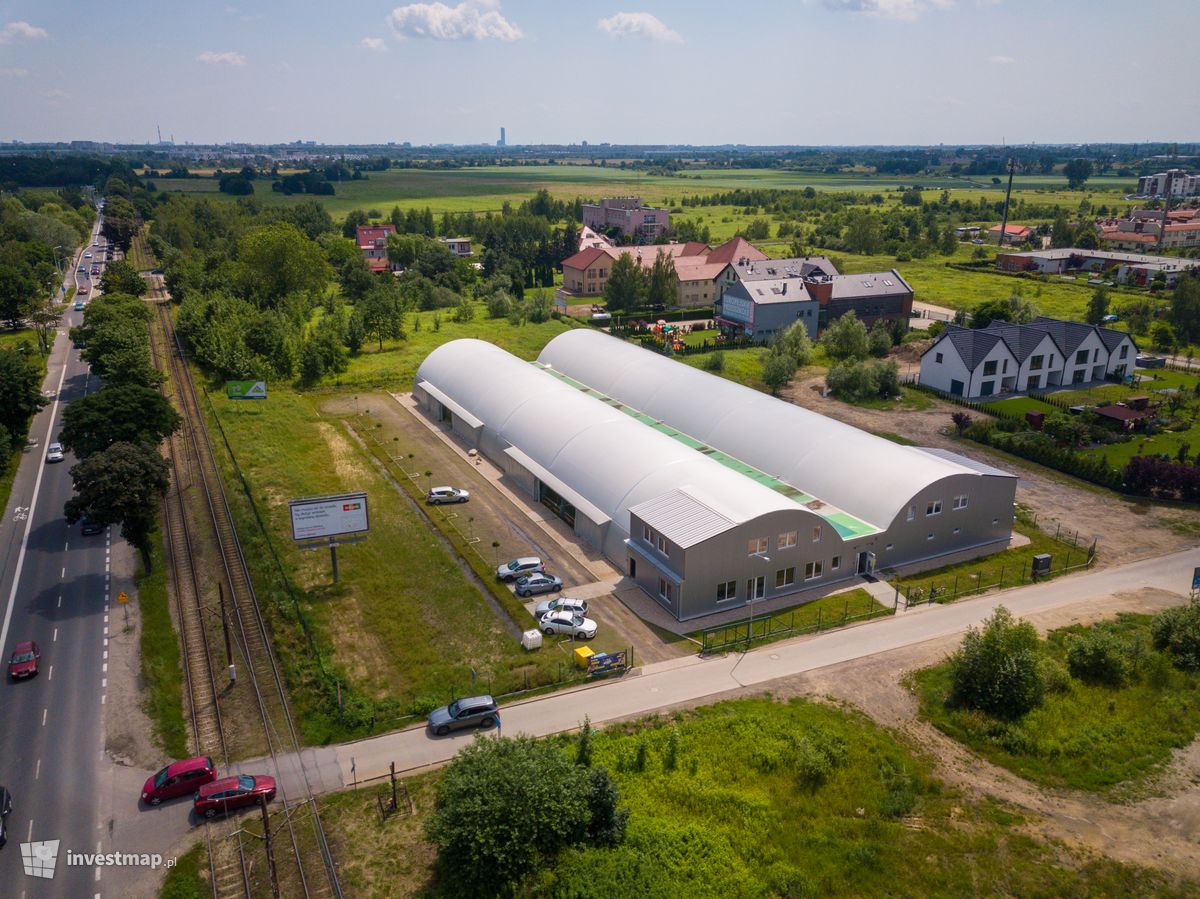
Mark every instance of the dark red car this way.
pixel 24 660
pixel 179 779
pixel 233 792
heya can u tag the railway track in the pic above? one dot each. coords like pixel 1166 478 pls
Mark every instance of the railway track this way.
pixel 237 860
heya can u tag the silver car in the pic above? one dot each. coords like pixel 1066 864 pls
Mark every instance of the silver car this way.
pixel 569 624
pixel 560 604
pixel 439 495
pixel 54 452
pixel 538 583
pixel 473 711
pixel 519 567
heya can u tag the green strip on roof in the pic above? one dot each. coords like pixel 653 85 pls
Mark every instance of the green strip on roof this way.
pixel 844 523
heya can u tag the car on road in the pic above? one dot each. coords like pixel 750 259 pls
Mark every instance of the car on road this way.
pixel 539 582
pixel 88 527
pixel 24 660
pixel 560 604
pixel 54 453
pixel 568 623
pixel 5 811
pixel 519 567
pixel 83 288
pixel 87 255
pixel 474 711
pixel 79 305
pixel 439 495
pixel 179 779
pixel 229 793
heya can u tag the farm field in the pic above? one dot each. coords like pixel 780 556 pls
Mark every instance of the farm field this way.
pixel 875 821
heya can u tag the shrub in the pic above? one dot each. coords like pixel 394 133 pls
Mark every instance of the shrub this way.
pixel 813 766
pixel 1179 631
pixel 1055 677
pixel 714 362
pixel 1098 656
pixel 996 670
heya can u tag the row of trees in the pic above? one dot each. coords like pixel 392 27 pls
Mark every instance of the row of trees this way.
pixel 121 478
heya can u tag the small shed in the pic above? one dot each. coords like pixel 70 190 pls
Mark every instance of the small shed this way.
pixel 1121 415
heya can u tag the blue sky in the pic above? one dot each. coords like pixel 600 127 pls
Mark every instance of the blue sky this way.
pixel 642 71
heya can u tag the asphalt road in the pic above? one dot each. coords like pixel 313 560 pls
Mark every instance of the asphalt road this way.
pixel 53 584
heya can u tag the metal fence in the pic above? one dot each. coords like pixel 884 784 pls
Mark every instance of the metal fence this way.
pixel 741 635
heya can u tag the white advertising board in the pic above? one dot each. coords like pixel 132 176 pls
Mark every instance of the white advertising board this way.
pixel 328 516
pixel 736 308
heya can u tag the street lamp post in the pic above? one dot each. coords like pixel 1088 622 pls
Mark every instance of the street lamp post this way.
pixel 750 602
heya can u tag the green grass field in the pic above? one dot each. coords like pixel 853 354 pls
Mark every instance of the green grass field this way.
pixel 834 610
pixel 161 672
pixel 1085 737
pixel 765 799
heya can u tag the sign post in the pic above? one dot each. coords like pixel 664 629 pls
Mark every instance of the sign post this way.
pixel 246 390
pixel 330 519
pixel 123 600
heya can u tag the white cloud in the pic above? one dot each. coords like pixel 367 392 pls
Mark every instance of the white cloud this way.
pixel 889 9
pixel 638 24
pixel 1001 60
pixel 373 43
pixel 21 31
pixel 470 20
pixel 224 57
pixel 13 73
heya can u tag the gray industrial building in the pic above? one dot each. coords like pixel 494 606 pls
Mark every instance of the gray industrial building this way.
pixel 708 494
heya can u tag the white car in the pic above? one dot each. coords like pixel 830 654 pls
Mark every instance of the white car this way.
pixel 54 452
pixel 519 568
pixel 439 495
pixel 560 604
pixel 87 255
pixel 569 624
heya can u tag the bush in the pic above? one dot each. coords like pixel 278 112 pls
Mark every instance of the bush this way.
pixel 714 362
pixel 1055 676
pixel 1179 631
pixel 854 381
pixel 996 669
pixel 1098 656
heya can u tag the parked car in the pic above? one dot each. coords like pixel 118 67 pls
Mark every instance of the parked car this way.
pixel 87 255
pixel 568 623
pixel 518 567
pixel 5 811
pixel 54 453
pixel 232 792
pixel 1111 317
pixel 179 779
pixel 560 604
pixel 88 527
pixel 439 495
pixel 79 305
pixel 539 582
pixel 474 711
pixel 24 660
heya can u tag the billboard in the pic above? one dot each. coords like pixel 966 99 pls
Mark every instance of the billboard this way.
pixel 246 390
pixel 328 516
pixel 607 663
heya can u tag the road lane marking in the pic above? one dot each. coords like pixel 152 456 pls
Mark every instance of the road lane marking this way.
pixel 37 769
pixel 29 839
pixel 64 573
pixel 103 683
pixel 105 654
pixel 66 546
pixel 55 640
pixel 103 696
pixel 104 667
pixel 50 676
pixel 44 711
pixel 60 602
pixel 37 487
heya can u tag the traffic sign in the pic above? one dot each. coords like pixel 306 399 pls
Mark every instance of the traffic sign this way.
pixel 122 597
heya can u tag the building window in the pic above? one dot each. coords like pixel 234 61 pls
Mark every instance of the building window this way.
pixel 937 357
pixel 726 591
pixel 989 368
pixel 1035 363
pixel 756 546
pixel 960 502
pixel 812 571
pixel 756 588
pixel 785 577
pixel 816 534
pixel 934 508
pixel 929 536
pixel 888 548
pixel 647 534
pixel 835 563
pixel 664 589
pixel 956 530
pixel 1124 352
pixel 1081 357
pixel 995 521
pixel 1005 369
pixel 662 544
pixel 786 541
pixel 912 512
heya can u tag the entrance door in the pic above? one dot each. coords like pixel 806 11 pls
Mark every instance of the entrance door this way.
pixel 756 588
pixel 632 567
pixel 866 563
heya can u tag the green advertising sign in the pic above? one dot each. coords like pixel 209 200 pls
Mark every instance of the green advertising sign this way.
pixel 246 390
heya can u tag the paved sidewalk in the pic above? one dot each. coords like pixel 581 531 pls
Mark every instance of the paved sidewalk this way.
pixel 692 678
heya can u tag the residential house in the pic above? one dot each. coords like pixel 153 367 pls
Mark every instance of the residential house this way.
pixel 589 238
pixel 459 246
pixel 1006 358
pixel 763 307
pixel 627 214
pixel 1135 268
pixel 872 296
pixel 759 267
pixel 372 241
pixel 1013 234
pixel 1171 183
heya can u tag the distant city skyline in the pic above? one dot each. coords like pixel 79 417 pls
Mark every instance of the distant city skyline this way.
pixel 810 73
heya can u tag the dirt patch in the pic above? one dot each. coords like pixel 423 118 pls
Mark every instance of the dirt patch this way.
pixel 1158 832
pixel 1124 529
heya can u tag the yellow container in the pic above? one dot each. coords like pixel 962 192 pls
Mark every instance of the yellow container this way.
pixel 582 654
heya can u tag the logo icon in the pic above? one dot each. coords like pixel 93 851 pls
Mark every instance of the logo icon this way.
pixel 40 858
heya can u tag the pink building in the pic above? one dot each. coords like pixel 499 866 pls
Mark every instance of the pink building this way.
pixel 646 223
pixel 372 240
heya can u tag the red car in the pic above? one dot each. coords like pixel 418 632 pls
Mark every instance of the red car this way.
pixel 82 288
pixel 179 779
pixel 24 660
pixel 233 792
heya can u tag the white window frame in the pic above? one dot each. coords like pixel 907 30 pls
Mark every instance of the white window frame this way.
pixel 813 571
pixel 756 546
pixel 960 502
pixel 835 563
pixel 816 538
pixel 934 507
pixel 785 577
pixel 786 540
pixel 912 513
pixel 729 588
pixel 662 544
pixel 756 587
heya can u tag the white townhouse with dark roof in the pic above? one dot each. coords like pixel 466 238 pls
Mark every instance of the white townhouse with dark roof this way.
pixel 1004 358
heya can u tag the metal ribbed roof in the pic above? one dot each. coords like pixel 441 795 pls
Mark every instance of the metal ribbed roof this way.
pixel 681 515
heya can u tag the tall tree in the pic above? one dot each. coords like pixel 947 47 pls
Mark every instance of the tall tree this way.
pixel 382 313
pixel 864 233
pixel 1077 172
pixel 1097 306
pixel 20 392
pixel 1061 234
pixel 277 260
pixel 625 284
pixel 662 286
pixel 122 277
pixel 19 291
pixel 122 485
pixel 846 338
pixel 128 413
pixel 1185 309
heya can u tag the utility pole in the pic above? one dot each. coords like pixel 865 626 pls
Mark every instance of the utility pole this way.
pixel 225 628
pixel 1012 167
pixel 1162 229
pixel 262 801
